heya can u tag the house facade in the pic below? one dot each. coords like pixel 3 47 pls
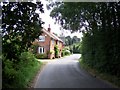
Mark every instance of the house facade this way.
pixel 47 42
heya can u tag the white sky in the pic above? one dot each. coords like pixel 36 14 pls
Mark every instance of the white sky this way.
pixel 54 27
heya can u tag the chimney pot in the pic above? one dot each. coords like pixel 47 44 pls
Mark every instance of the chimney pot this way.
pixel 49 29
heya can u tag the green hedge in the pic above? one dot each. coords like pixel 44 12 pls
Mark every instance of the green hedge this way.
pixel 99 52
pixel 65 52
pixel 18 75
pixel 41 56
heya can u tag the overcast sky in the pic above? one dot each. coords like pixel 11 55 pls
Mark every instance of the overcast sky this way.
pixel 54 27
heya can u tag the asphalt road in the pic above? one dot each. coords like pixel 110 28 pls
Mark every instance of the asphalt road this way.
pixel 66 73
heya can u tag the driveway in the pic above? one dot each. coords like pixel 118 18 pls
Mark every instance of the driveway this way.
pixel 66 73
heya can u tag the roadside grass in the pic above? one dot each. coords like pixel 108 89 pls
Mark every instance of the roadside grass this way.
pixel 21 74
pixel 32 81
pixel 27 73
pixel 115 81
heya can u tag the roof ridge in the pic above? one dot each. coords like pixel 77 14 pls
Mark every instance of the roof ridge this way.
pixel 52 35
pixel 57 37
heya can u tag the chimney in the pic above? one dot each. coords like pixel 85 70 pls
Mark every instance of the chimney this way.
pixel 49 29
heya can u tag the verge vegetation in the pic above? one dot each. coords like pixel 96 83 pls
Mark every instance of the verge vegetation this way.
pixel 17 76
pixel 21 25
pixel 115 81
pixel 100 46
pixel 66 51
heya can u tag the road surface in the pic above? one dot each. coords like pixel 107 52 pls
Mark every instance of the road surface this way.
pixel 66 73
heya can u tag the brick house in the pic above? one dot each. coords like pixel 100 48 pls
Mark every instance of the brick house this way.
pixel 46 43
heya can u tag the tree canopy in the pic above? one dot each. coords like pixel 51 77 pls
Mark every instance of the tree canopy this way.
pixel 101 36
pixel 20 26
pixel 70 41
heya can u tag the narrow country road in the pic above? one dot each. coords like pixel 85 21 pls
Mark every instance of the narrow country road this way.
pixel 66 73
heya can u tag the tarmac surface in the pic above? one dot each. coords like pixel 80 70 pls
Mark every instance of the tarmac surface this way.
pixel 66 73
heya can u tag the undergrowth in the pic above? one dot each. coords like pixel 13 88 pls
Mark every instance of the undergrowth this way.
pixel 19 75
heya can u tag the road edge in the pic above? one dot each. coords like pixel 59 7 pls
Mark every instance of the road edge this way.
pixel 34 80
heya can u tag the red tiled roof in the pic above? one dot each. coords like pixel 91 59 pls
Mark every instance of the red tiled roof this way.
pixel 51 35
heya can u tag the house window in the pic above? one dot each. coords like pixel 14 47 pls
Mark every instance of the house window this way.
pixel 41 38
pixel 40 50
pixel 53 41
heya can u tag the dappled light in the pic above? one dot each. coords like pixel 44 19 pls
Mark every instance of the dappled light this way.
pixel 60 44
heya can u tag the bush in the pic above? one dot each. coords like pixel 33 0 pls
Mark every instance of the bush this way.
pixel 18 75
pixel 26 73
pixel 56 51
pixel 65 52
pixel 34 48
pixel 41 56
pixel 8 73
pixel 27 57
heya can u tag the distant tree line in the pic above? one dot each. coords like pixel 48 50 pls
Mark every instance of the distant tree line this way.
pixel 70 41
pixel 75 48
pixel 73 44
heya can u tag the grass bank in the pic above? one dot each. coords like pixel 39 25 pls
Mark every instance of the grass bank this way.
pixel 115 81
pixel 29 74
pixel 33 80
pixel 20 75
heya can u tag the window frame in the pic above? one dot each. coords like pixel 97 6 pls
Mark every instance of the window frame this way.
pixel 41 50
pixel 42 38
pixel 53 41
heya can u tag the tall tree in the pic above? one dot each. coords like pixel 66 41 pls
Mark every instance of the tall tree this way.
pixel 68 40
pixel 20 26
pixel 100 42
pixel 75 39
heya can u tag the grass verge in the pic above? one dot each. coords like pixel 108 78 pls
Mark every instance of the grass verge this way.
pixel 26 74
pixel 21 74
pixel 115 81
pixel 33 80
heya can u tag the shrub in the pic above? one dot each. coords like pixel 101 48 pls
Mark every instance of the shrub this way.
pixel 26 73
pixel 67 52
pixel 51 52
pixel 56 51
pixel 34 48
pixel 41 56
pixel 18 75
pixel 27 57
pixel 9 73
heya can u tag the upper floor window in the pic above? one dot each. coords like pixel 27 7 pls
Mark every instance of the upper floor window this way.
pixel 53 41
pixel 41 38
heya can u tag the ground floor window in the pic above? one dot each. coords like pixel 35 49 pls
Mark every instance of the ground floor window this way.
pixel 40 50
